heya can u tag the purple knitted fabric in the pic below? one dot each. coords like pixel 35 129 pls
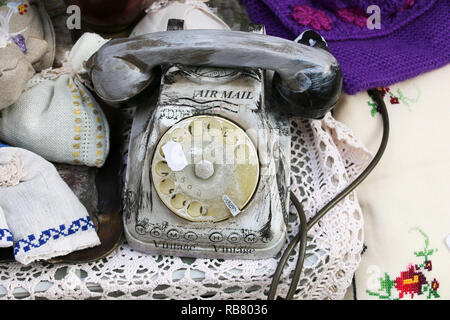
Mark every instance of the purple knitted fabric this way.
pixel 414 36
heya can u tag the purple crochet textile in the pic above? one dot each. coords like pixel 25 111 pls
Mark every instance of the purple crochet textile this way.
pixel 414 36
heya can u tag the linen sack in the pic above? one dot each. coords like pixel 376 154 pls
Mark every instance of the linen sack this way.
pixel 40 212
pixel 195 13
pixel 56 117
pixel 405 200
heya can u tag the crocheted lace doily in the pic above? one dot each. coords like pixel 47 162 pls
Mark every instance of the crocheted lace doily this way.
pixel 325 157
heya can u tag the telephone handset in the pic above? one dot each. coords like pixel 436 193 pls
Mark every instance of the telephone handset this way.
pixel 307 79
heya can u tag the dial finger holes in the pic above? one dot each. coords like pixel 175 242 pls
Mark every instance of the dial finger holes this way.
pixel 162 169
pixel 179 135
pixel 196 128
pixel 167 186
pixel 214 128
pixel 242 153
pixel 178 201
pixel 195 209
pixel 231 137
pixel 161 152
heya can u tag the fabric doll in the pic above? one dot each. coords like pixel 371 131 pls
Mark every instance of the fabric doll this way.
pixel 27 44
pixel 36 32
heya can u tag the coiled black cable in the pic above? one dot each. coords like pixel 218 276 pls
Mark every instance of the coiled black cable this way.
pixel 306 226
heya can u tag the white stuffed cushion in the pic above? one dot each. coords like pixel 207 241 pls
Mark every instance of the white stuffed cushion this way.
pixel 6 237
pixel 44 216
pixel 406 200
pixel 195 13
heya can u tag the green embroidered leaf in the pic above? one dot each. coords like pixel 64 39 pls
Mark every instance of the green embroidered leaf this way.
pixel 374 294
pixel 387 284
pixel 427 241
pixel 402 98
pixel 419 253
pixel 434 293
pixel 385 291
pixel 373 112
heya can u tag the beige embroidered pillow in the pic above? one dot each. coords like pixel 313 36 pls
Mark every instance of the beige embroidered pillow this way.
pixel 406 199
pixel 56 117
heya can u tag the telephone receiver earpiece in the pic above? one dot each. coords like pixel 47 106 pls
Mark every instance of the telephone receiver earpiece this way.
pixel 312 103
pixel 307 79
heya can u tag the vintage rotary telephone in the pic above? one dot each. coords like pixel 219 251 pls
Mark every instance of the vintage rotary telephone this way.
pixel 208 164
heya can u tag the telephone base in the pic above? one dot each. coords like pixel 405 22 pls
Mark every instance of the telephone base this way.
pixel 220 250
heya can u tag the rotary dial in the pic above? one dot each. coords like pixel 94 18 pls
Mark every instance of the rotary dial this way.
pixel 205 168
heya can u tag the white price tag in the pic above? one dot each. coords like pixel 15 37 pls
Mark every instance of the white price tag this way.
pixel 230 205
pixel 176 160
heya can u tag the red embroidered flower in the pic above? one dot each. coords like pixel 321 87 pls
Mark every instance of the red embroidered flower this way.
pixel 383 90
pixel 408 5
pixel 353 15
pixel 394 100
pixel 307 16
pixel 410 282
pixel 428 265
pixel 22 9
pixel 434 285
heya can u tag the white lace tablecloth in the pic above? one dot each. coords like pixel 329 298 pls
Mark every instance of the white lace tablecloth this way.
pixel 325 158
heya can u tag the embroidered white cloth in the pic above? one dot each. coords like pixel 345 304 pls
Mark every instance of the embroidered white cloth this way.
pixel 405 201
pixel 43 215
pixel 57 117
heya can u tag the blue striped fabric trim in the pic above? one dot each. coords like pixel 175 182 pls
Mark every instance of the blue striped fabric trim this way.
pixel 34 241
pixel 6 235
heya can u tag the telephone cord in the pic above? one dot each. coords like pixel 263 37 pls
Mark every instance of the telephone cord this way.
pixel 306 226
